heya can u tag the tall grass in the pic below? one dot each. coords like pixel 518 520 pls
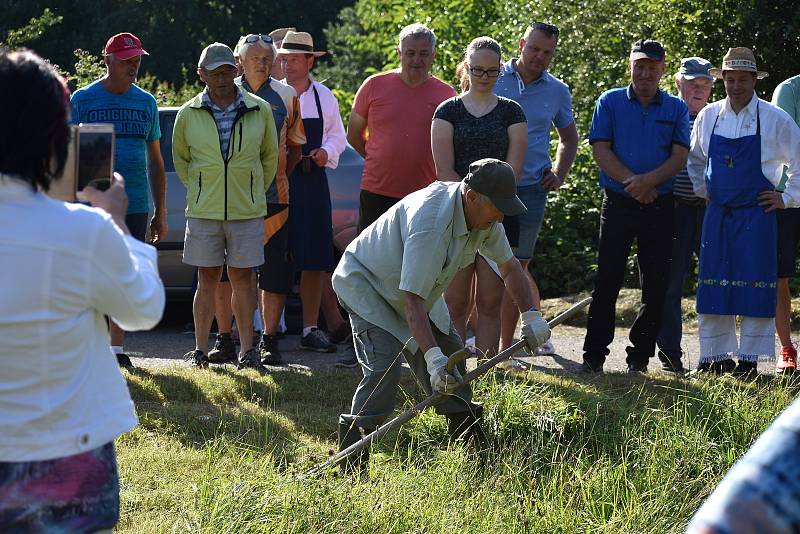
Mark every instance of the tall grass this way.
pixel 218 451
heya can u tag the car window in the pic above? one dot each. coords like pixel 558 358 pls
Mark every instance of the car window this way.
pixel 167 118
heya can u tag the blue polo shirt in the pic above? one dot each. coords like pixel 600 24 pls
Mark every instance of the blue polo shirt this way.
pixel 546 102
pixel 641 137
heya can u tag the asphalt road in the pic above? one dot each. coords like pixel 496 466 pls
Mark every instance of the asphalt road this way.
pixel 167 343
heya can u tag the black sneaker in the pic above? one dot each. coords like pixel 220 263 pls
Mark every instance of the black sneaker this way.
pixel 250 360
pixel 196 358
pixel 636 370
pixel 589 369
pixel 343 334
pixel 124 360
pixel 745 370
pixel 670 364
pixel 348 361
pixel 224 349
pixel 268 350
pixel 714 368
pixel 317 341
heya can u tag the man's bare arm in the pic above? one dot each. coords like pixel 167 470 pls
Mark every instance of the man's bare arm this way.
pixel 356 127
pixel 418 322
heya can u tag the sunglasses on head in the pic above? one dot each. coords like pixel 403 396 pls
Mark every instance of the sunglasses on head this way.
pixel 252 38
pixel 545 27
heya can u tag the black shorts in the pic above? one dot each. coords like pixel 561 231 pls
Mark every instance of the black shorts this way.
pixel 277 273
pixel 511 225
pixel 788 239
pixel 371 206
pixel 137 224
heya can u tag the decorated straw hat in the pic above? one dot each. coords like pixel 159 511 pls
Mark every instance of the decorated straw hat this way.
pixel 299 43
pixel 739 58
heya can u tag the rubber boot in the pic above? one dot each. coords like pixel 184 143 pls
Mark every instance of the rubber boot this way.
pixel 358 462
pixel 466 426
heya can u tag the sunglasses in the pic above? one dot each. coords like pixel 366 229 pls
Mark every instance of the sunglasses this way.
pixel 543 26
pixel 479 72
pixel 252 38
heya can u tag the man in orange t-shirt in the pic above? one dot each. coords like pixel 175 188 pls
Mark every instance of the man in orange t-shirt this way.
pixel 390 125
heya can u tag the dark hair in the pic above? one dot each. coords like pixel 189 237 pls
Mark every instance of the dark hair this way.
pixel 33 118
pixel 479 43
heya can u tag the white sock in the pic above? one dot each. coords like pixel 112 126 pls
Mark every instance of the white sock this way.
pixel 308 329
pixel 116 349
pixel 282 322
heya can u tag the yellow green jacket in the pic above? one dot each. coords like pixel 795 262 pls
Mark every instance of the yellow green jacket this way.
pixel 231 187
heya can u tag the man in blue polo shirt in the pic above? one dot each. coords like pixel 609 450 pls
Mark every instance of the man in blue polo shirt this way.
pixel 546 101
pixel 640 140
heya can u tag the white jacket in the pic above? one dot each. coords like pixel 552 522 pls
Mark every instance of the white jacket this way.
pixel 62 268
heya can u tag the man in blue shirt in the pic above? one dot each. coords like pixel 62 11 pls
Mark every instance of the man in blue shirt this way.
pixel 640 140
pixel 546 102
pixel 133 111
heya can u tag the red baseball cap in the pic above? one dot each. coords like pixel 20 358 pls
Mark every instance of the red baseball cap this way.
pixel 125 46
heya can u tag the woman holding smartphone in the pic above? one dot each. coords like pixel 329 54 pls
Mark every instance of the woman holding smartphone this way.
pixel 65 266
pixel 473 125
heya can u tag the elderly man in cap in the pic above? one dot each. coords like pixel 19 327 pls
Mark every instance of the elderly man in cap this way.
pixel 310 223
pixel 739 148
pixel 116 99
pixel 391 279
pixel 694 85
pixel 639 138
pixel 225 148
pixel 787 97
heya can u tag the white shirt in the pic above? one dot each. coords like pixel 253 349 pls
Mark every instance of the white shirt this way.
pixel 334 136
pixel 64 266
pixel 780 143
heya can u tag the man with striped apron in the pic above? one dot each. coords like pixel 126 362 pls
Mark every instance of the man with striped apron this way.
pixel 738 148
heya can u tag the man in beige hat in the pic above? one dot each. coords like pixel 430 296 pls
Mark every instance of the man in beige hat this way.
pixel 739 148
pixel 277 36
pixel 310 224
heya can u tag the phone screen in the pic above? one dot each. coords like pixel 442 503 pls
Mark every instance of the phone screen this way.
pixel 95 159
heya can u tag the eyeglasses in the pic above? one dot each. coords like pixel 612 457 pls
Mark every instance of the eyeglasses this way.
pixel 252 38
pixel 543 26
pixel 479 72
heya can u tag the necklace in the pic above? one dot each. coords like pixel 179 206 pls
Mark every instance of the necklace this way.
pixel 473 110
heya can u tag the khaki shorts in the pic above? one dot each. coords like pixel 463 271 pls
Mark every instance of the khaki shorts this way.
pixel 210 243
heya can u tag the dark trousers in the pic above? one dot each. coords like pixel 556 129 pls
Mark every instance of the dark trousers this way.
pixel 371 206
pixel 623 219
pixel 686 232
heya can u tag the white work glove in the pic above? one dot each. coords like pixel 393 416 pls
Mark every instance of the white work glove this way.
pixel 534 329
pixel 441 380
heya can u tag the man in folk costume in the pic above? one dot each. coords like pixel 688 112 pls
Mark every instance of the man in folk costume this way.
pixel 739 147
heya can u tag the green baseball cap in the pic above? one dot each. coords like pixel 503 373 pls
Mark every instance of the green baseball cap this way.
pixel 495 179
pixel 216 55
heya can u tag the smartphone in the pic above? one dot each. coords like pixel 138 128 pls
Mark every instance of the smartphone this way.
pixel 90 161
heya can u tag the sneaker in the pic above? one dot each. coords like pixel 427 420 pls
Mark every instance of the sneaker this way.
pixel 590 369
pixel 348 361
pixel 268 350
pixel 196 358
pixel 546 349
pixel 636 370
pixel 745 370
pixel 124 360
pixel 343 334
pixel 317 341
pixel 224 349
pixel 787 364
pixel 714 368
pixel 250 360
pixel 671 364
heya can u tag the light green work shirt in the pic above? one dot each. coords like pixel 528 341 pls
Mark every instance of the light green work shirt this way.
pixel 417 246
pixel 787 97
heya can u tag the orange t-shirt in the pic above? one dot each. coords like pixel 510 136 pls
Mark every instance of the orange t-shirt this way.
pixel 399 159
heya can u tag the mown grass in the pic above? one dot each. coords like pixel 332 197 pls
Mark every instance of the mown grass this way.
pixel 221 451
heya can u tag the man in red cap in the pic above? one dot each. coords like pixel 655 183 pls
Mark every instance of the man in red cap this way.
pixel 116 99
